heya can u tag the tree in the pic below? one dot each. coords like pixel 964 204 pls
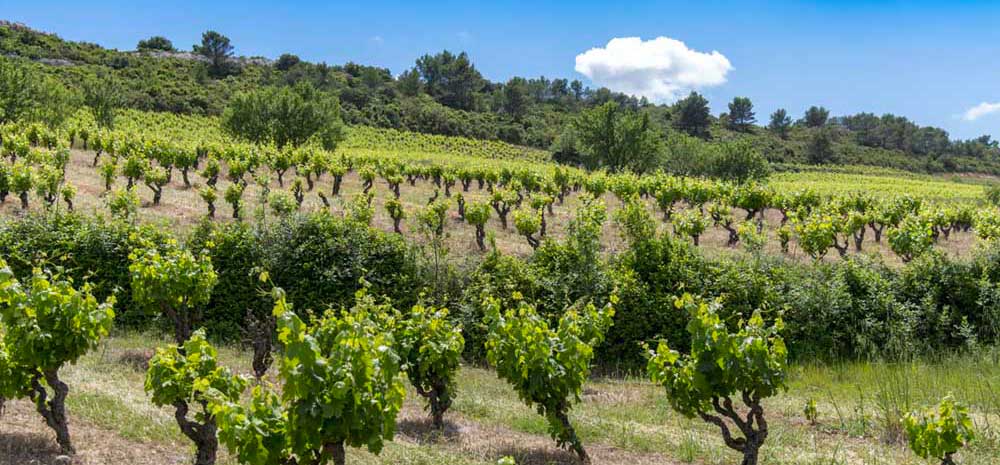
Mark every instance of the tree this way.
pixel 940 432
pixel 741 115
pixel 450 79
pixel 547 367
pixel 515 98
pixel 217 48
pixel 691 115
pixel 340 387
pixel 103 95
pixel 46 323
pixel 749 363
pixel 26 95
pixel 286 61
pixel 155 43
pixel 819 150
pixel 287 116
pixel 618 139
pixel 816 117
pixel 739 161
pixel 780 123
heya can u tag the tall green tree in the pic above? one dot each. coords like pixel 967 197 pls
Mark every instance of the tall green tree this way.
pixel 618 139
pixel 691 115
pixel 286 116
pixel 450 79
pixel 820 148
pixel 103 95
pixel 816 117
pixel 219 51
pixel 780 123
pixel 515 100
pixel 741 114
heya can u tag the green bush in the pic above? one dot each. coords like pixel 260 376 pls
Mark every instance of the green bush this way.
pixel 85 249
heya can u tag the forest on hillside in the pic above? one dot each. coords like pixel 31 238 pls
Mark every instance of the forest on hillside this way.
pixel 445 94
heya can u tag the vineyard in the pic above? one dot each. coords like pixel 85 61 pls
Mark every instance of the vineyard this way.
pixel 169 294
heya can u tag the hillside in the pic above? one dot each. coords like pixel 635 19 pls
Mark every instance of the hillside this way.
pixel 528 112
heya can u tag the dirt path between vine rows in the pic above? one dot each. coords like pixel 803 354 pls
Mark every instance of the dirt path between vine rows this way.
pixel 26 440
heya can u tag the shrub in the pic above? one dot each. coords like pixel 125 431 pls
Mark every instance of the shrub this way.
pixel 911 238
pixel 46 323
pixel 750 363
pixel 547 367
pixel 322 259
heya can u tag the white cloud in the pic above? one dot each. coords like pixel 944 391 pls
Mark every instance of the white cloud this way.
pixel 378 40
pixel 660 69
pixel 981 110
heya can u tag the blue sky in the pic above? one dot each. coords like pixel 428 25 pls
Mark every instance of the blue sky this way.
pixel 930 61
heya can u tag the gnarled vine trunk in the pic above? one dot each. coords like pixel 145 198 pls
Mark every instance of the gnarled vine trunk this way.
pixel 53 410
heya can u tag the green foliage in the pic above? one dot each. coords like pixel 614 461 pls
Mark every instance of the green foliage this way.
pixel 45 323
pixel 477 214
pixel 27 95
pixel 617 139
pixel 124 203
pixel 286 116
pixel 155 43
pixel 810 412
pixel 190 374
pixel 911 238
pixel 816 117
pixel 741 116
pixel 547 367
pixel 282 203
pixel 816 234
pixel 780 123
pixel 217 48
pixel 340 387
pixel 739 162
pixel 173 282
pixel 941 431
pixel 430 347
pixel 103 95
pixel 690 223
pixel 528 222
pixel 750 363
pixel 992 193
pixel 692 116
